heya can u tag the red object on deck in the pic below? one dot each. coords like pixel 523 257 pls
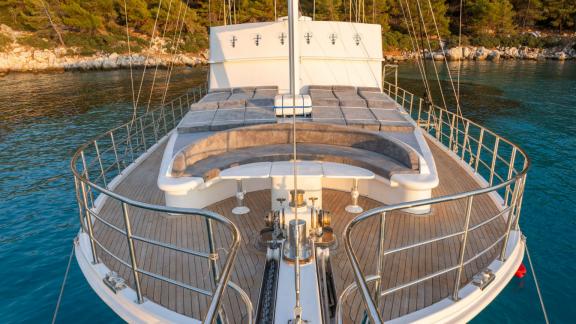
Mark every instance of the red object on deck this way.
pixel 521 272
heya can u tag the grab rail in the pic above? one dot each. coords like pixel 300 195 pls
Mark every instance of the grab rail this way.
pixel 466 140
pixel 97 167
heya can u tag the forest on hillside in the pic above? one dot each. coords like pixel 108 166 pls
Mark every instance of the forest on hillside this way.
pixel 100 25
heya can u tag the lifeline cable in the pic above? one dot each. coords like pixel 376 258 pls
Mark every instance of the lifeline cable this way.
pixel 537 286
pixel 63 285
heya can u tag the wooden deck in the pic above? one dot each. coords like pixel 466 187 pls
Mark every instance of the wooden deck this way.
pixel 401 229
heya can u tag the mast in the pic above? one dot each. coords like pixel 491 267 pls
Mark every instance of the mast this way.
pixel 293 48
pixel 294 63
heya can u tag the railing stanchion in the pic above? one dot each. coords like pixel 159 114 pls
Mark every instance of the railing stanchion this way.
pixel 456 134
pixel 521 183
pixel 411 103
pixel 479 150
pixel 511 218
pixel 396 79
pixel 452 125
pixel 463 248
pixel 181 112
pixel 163 112
pixel 403 97
pixel 89 222
pixel 510 171
pixel 429 116
pixel 180 107
pixel 154 127
pixel 173 116
pixel 132 251
pixel 81 210
pixel 465 141
pixel 87 176
pixel 380 265
pixel 439 128
pixel 494 157
pixel 143 135
pixel 129 142
pixel 115 152
pixel 213 253
pixel 419 113
pixel 100 162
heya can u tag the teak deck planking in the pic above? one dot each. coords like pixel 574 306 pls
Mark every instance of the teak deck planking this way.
pixel 400 229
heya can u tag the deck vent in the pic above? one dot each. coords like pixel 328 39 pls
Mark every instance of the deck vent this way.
pixel 484 278
pixel 114 281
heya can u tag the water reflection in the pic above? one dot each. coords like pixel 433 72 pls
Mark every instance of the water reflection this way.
pixel 28 98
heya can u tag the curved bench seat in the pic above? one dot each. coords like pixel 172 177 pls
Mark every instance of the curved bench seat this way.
pixel 374 151
pixel 210 167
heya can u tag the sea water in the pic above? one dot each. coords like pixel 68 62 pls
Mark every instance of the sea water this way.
pixel 45 117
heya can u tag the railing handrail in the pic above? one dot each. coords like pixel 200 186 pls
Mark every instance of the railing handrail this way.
pixel 85 186
pixel 517 179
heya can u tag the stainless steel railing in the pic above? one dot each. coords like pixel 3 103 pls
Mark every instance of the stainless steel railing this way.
pixel 97 167
pixel 499 162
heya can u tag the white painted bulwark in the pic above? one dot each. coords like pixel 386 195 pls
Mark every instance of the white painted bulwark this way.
pixel 332 53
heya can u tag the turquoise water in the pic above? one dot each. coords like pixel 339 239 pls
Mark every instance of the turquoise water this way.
pixel 45 117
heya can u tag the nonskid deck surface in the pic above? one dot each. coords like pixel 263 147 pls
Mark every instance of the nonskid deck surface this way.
pixel 399 268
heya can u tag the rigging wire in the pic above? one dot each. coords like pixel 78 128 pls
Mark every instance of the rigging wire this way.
pixel 230 11
pixel 459 111
pixel 224 14
pixel 59 301
pixel 419 59
pixel 415 46
pixel 430 49
pixel 459 47
pixel 537 286
pixel 130 64
pixel 350 10
pixel 174 53
pixel 148 54
pixel 158 63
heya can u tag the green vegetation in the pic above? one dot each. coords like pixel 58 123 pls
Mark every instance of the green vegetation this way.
pixel 100 25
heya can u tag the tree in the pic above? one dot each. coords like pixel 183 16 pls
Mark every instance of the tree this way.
pixel 528 12
pixel 74 16
pixel 560 13
pixel 23 14
pixel 490 17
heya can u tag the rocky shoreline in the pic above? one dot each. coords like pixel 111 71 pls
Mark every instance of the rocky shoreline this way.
pixel 20 59
pixel 481 53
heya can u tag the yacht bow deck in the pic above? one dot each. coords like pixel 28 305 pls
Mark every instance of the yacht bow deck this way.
pixel 401 229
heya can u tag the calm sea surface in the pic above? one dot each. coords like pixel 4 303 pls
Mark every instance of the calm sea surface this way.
pixel 45 117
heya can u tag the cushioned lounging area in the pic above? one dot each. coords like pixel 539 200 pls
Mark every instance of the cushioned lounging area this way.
pixel 371 150
pixel 227 108
pixel 210 167
pixel 362 107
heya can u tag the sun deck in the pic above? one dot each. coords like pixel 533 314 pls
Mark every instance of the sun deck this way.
pixel 401 229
